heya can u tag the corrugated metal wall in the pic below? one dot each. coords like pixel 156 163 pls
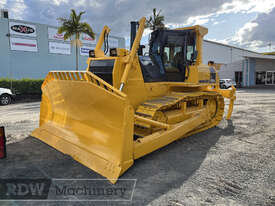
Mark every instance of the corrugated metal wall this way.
pixel 232 58
pixel 234 61
pixel 265 65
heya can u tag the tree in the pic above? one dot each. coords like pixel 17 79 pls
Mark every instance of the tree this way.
pixel 155 21
pixel 73 27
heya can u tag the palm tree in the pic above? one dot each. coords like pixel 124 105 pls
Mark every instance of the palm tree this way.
pixel 155 21
pixel 73 27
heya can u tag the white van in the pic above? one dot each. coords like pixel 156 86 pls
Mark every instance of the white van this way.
pixel 227 83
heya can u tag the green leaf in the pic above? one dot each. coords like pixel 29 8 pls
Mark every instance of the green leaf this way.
pixel 156 21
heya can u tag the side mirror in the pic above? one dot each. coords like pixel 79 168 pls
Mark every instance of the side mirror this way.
pixel 194 55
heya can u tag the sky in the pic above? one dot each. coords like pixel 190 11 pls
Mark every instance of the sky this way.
pixel 247 24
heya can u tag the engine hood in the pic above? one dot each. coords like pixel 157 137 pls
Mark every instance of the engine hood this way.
pixel 4 90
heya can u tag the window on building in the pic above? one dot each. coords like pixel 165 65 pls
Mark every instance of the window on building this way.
pixel 239 78
pixel 260 77
pixel 270 77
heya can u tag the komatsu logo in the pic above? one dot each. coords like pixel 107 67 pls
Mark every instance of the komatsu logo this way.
pixel 212 76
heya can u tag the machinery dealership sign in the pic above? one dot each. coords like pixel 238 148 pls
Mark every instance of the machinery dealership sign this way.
pixel 19 44
pixel 53 34
pixel 86 39
pixel 84 50
pixel 18 28
pixel 59 48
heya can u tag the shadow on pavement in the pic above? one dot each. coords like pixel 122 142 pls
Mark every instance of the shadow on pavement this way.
pixel 157 173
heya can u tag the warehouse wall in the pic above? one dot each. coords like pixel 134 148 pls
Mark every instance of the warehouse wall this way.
pixel 4 50
pixel 265 65
pixel 215 52
pixel 25 64
pixel 252 70
pixel 231 58
pixel 249 70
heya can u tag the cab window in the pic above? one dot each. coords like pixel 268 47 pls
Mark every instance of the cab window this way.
pixel 190 52
pixel 172 58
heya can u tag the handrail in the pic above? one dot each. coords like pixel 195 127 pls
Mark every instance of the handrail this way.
pixel 81 76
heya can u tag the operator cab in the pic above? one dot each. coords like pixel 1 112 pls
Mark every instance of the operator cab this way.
pixel 170 55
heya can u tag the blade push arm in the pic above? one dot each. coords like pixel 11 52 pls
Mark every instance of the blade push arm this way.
pixel 229 94
pixel 132 53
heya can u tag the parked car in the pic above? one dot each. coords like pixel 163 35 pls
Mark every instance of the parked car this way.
pixel 227 83
pixel 6 96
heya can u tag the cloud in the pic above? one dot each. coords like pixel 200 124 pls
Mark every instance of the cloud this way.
pixel 247 6
pixel 263 29
pixel 16 7
pixel 257 33
pixel 3 4
pixel 58 2
pixel 117 14
pixel 198 20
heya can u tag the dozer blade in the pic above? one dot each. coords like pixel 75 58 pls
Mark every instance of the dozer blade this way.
pixel 86 118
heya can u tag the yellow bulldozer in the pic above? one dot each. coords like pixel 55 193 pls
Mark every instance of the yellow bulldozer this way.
pixel 127 105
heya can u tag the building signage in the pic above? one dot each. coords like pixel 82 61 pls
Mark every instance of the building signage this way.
pixel 59 48
pixel 18 44
pixel 53 34
pixel 84 50
pixel 86 39
pixel 18 28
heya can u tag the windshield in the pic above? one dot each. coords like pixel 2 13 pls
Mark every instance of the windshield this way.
pixel 173 51
pixel 146 60
pixel 178 49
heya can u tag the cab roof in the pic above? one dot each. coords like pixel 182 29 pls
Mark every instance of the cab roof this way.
pixel 202 30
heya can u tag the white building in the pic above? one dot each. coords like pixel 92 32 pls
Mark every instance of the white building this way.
pixel 245 67
pixel 31 50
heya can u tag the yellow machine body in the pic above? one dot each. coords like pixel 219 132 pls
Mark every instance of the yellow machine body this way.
pixel 106 126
